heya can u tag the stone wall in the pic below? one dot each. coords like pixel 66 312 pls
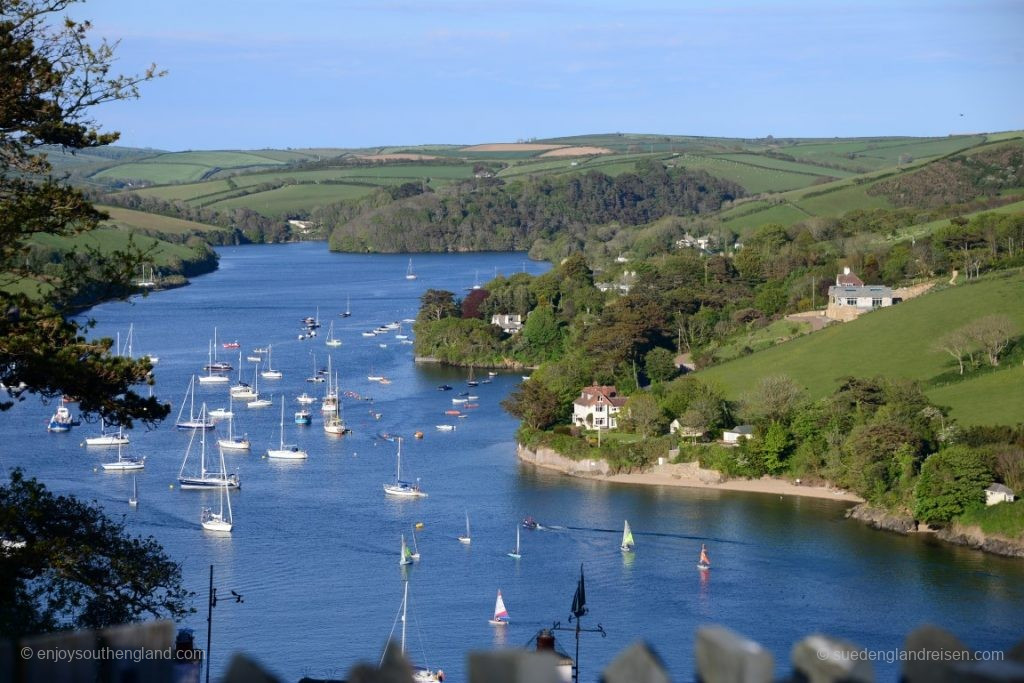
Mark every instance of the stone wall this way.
pixel 552 460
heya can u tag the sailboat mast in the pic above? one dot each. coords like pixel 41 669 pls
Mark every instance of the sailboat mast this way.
pixel 405 602
pixel 282 423
pixel 398 471
pixel 202 445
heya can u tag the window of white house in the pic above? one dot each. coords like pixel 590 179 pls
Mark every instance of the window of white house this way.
pixel 851 301
pixel 875 303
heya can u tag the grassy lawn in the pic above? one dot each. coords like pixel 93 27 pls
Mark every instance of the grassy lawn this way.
pixel 1003 519
pixel 892 342
pixel 762 338
pixel 991 398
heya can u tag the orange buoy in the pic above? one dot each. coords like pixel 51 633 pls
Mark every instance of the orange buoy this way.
pixel 418 435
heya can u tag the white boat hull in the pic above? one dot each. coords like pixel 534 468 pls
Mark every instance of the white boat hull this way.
pixel 234 444
pixel 403 491
pixel 106 441
pixel 465 540
pixel 195 424
pixel 209 483
pixel 271 374
pixel 217 525
pixel 123 466
pixel 221 413
pixel 287 454
pixel 213 379
pixel 259 403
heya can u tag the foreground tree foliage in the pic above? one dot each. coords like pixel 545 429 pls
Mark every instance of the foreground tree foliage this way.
pixel 50 76
pixel 67 565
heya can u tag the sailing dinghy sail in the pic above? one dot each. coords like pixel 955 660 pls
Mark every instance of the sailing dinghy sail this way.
pixel 627 545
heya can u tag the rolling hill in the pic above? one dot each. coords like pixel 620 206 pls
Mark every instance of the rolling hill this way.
pixel 899 342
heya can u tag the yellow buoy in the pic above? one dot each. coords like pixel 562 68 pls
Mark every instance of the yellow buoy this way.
pixel 419 525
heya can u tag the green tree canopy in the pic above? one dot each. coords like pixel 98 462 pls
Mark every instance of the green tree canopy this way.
pixel 951 481
pixel 50 77
pixel 67 565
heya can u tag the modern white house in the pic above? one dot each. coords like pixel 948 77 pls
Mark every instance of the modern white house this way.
pixel 738 432
pixel 510 323
pixel 849 297
pixel 998 493
pixel 597 407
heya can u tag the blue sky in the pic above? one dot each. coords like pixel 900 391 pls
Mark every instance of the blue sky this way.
pixel 254 73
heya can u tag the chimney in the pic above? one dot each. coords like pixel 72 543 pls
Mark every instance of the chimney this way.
pixel 545 641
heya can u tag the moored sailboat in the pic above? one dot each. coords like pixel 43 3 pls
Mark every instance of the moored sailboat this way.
pixel 403 488
pixel 270 372
pixel 409 275
pixel 515 554
pixel 286 451
pixel 123 464
pixel 218 521
pixel 107 438
pixel 233 443
pixel 204 478
pixel 420 674
pixel 193 422
pixel 332 341
pixel 467 539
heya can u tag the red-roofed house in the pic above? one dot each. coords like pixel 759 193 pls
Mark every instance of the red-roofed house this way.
pixel 848 279
pixel 597 407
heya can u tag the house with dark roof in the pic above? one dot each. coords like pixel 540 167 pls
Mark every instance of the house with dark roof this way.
pixel 849 297
pixel 597 407
pixel 998 493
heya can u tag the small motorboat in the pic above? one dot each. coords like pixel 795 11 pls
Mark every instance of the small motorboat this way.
pixel 230 345
pixel 444 387
pixel 445 428
pixel 530 523
pixel 452 412
pixel 303 417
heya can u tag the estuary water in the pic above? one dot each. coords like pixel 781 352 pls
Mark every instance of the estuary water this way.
pixel 315 547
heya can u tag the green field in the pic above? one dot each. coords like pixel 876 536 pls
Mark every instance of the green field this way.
pixel 892 342
pixel 154 173
pixel 292 199
pixel 109 239
pixel 763 161
pixel 128 219
pixel 754 179
pixel 991 398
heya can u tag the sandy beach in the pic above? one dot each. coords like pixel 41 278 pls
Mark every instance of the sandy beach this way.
pixel 689 474
pixel 686 474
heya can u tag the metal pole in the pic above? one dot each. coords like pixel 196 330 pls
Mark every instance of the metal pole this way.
pixel 209 624
pixel 577 663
